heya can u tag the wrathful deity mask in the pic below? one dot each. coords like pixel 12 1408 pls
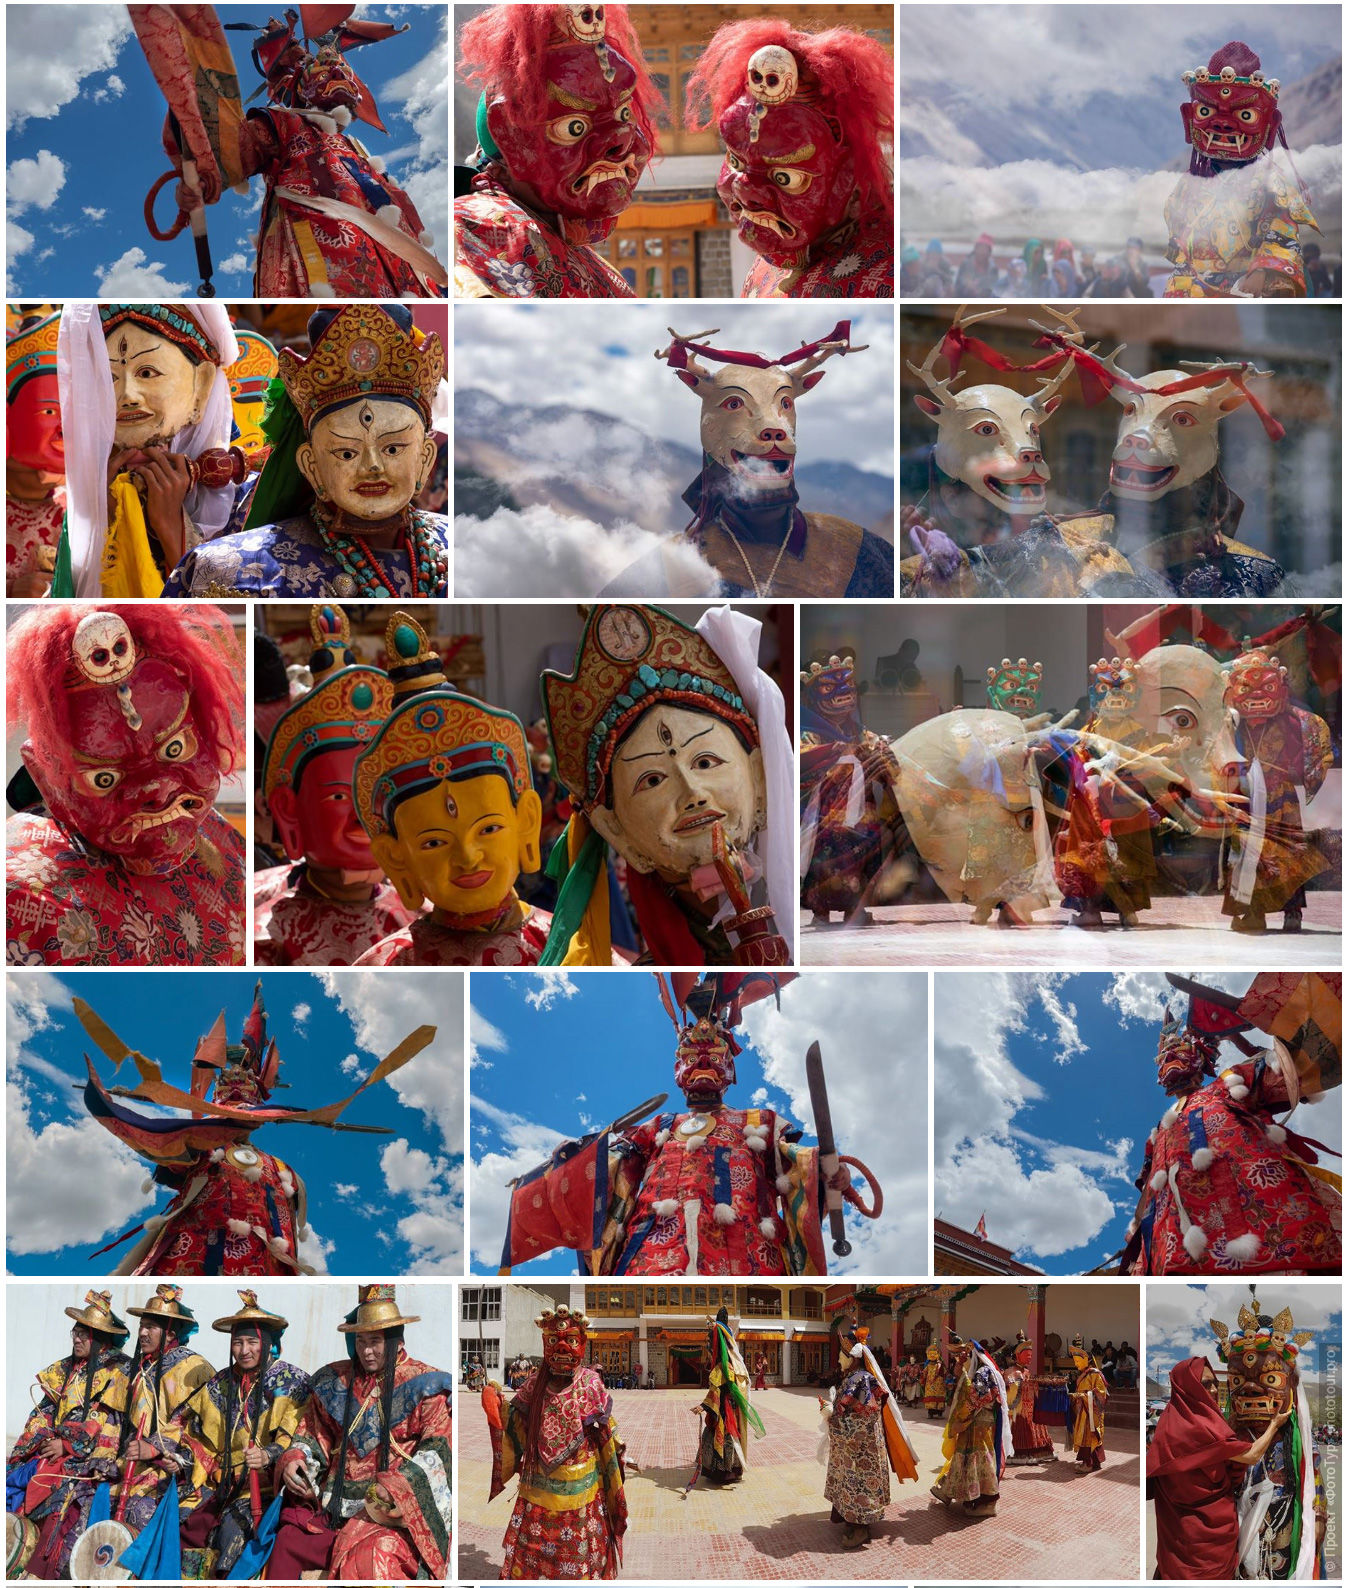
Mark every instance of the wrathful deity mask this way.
pixel 162 370
pixel 32 400
pixel 1258 687
pixel 582 157
pixel 1166 443
pixel 1231 116
pixel 706 1065
pixel 564 1340
pixel 1015 686
pixel 654 742
pixel 1186 1057
pixel 141 780
pixel 1114 689
pixel 1261 1359
pixel 990 437
pixel 829 690
pixel 313 749
pixel 369 459
pixel 444 790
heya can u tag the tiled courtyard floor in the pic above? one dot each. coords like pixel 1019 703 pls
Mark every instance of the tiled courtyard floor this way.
pixel 1052 1523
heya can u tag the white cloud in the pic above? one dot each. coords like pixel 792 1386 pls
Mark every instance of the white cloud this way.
pixel 134 275
pixel 1045 1211
pixel 546 987
pixel 345 1191
pixel 300 1014
pixel 524 1145
pixel 433 1229
pixel 240 264
pixel 1068 1039
pixel 114 88
pixel 353 1066
pixel 538 552
pixel 17 241
pixel 93 213
pixel 419 95
pixel 47 59
pixel 484 1036
pixel 314 1250
pixel 34 183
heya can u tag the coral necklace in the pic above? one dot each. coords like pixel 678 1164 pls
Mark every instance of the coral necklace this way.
pixel 362 566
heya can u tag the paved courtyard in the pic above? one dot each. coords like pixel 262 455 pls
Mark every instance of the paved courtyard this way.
pixel 1053 1522
pixel 1189 932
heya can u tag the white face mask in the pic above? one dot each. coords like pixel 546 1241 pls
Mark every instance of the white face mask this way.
pixel 369 458
pixel 677 774
pixel 157 389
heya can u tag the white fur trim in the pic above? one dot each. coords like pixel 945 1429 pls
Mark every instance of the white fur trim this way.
pixel 1277 1134
pixel 254 1175
pixel 218 1155
pixel 321 289
pixel 391 214
pixel 1239 1093
pixel 755 1130
pixel 1244 1248
pixel 156 1221
pixel 662 1138
pixel 767 1229
pixel 278 1246
pixel 783 1184
pixel 1195 1242
pixel 1158 1180
pixel 666 1207
pixel 427 240
pixel 723 1213
pixel 758 1144
pixel 237 1226
pixel 1203 1158
pixel 341 116
pixel 376 164
pixel 147 1186
pixel 288 1184
pixel 1170 1115
pixel 303 1234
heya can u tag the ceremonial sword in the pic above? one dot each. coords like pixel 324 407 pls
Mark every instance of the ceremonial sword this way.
pixel 827 1156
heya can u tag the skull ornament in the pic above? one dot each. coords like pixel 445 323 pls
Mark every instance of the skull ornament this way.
pixel 772 75
pixel 587 24
pixel 103 648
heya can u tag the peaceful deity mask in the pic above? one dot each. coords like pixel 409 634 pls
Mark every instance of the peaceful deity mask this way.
pixel 159 386
pixel 369 458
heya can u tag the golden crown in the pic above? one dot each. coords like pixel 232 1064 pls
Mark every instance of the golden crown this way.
pixel 363 352
pixel 629 659
pixel 1258 1333
pixel 432 735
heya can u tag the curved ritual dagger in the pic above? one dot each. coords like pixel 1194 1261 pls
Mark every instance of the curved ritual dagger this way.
pixel 154 1089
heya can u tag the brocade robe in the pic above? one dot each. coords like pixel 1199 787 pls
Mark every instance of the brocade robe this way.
pixel 504 250
pixel 856 261
pixel 295 925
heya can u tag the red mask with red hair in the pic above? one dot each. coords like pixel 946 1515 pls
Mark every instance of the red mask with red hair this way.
pixel 1257 687
pixel 803 118
pixel 1232 116
pixel 129 723
pixel 567 107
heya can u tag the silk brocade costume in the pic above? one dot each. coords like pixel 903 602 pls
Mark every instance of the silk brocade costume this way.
pixel 295 925
pixel 855 262
pixel 1222 227
pixel 504 250
pixel 858 1482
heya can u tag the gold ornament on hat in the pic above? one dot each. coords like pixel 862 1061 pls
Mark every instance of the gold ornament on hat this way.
pixel 376 1311
pixel 362 352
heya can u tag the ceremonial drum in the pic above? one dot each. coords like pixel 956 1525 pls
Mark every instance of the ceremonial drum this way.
pixel 1052 1399
pixel 21 1539
pixel 98 1551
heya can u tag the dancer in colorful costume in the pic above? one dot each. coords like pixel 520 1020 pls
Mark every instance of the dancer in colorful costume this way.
pixel 1090 1401
pixel 747 524
pixel 714 1190
pixel 35 458
pixel 1234 219
pixel 1227 1186
pixel 368 1474
pixel 1032 1440
pixel 80 1406
pixel 806 121
pixel 848 811
pixel 932 1384
pixel 331 903
pixel 1189 1477
pixel 729 1418
pixel 332 223
pixel 146 1457
pixel 235 1428
pixel 672 743
pixel 333 513
pixel 444 792
pixel 1287 750
pixel 235 1210
pixel 559 1433
pixel 1105 855
pixel 117 856
pixel 866 1440
pixel 1282 1514
pixel 145 423
pixel 566 128
pixel 977 1436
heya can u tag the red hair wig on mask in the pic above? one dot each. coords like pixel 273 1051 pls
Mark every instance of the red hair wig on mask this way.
pixel 504 51
pixel 850 72
pixel 199 643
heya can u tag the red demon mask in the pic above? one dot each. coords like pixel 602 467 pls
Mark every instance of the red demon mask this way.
pixel 706 1065
pixel 1258 687
pixel 1232 116
pixel 33 427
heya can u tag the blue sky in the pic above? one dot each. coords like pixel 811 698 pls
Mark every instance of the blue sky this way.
pixel 83 149
pixel 392 1204
pixel 1045 1092
pixel 556 1054
pixel 1177 1326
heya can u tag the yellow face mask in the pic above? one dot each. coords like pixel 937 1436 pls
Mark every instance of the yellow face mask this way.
pixel 462 845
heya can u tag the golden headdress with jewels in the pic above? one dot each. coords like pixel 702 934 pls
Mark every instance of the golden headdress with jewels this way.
pixel 433 734
pixel 629 659
pixel 346 707
pixel 363 351
pixel 1260 1334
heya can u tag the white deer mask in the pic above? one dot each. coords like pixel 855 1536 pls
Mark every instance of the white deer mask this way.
pixel 1166 443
